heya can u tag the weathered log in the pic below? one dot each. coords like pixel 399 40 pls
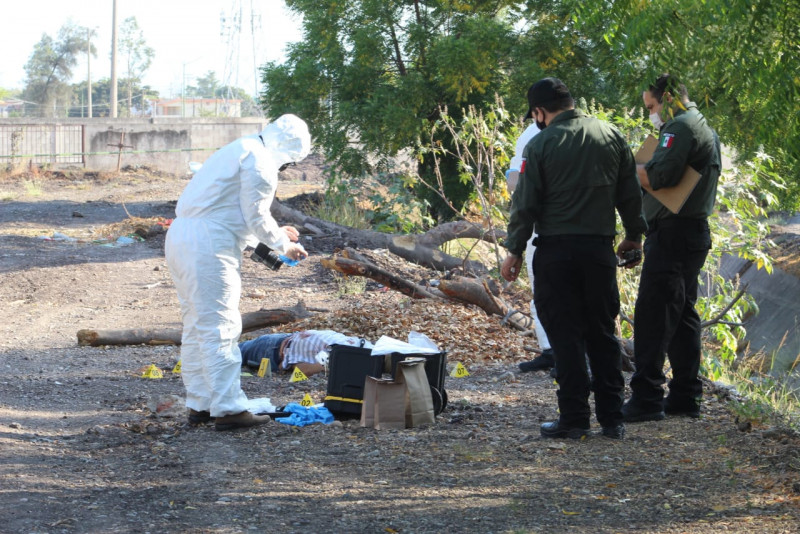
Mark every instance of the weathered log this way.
pixel 137 336
pixel 482 293
pixel 150 336
pixel 422 249
pixel 350 267
pixel 474 292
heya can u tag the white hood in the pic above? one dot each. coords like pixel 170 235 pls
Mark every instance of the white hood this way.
pixel 287 138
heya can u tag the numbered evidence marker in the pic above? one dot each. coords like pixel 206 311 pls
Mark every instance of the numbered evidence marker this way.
pixel 307 402
pixel 177 369
pixel 265 369
pixel 460 371
pixel 298 375
pixel 152 372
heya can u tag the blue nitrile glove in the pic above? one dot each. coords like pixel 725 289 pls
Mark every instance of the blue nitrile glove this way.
pixel 302 416
pixel 288 261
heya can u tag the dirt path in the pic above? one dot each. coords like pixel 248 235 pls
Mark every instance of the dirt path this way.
pixel 82 451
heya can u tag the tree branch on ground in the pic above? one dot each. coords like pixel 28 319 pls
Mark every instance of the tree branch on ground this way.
pixel 150 336
pixel 422 249
pixel 483 293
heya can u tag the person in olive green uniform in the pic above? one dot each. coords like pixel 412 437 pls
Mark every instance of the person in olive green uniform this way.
pixel 666 322
pixel 575 173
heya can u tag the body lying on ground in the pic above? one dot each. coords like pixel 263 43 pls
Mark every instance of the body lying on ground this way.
pixel 295 350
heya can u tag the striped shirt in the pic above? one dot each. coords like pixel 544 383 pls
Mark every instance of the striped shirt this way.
pixel 303 346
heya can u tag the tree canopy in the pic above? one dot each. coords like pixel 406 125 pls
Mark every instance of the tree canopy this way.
pixel 137 56
pixel 371 75
pixel 49 68
pixel 740 60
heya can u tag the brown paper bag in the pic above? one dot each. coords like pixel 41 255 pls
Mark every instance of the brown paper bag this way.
pixel 368 404
pixel 384 404
pixel 673 198
pixel 419 403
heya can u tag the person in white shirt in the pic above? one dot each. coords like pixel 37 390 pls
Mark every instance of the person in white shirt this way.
pixel 546 360
pixel 297 350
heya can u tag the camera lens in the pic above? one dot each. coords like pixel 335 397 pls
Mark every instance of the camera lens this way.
pixel 267 256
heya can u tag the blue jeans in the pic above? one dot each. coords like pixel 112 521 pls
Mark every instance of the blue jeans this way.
pixel 266 346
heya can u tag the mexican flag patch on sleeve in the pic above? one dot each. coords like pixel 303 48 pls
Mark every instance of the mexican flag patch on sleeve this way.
pixel 666 140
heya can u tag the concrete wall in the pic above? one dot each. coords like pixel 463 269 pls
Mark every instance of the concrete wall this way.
pixel 775 329
pixel 166 144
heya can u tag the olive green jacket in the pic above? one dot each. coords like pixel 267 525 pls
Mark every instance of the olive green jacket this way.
pixel 574 174
pixel 686 139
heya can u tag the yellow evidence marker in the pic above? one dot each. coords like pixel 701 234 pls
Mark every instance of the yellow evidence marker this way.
pixel 177 369
pixel 307 401
pixel 298 375
pixel 459 371
pixel 152 372
pixel 265 369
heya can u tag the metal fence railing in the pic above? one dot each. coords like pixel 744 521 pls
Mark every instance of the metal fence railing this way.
pixel 39 143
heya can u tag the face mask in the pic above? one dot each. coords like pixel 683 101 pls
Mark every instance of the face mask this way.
pixel 655 118
pixel 541 125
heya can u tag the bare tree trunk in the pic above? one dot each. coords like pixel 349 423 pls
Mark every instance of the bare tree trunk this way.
pixel 351 267
pixel 422 249
pixel 151 336
pixel 482 293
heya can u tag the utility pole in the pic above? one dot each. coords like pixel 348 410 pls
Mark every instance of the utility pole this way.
pixel 114 61
pixel 89 71
pixel 183 92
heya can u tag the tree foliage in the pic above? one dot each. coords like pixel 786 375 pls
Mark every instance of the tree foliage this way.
pixel 370 76
pixel 740 60
pixel 101 89
pixel 207 86
pixel 49 68
pixel 137 55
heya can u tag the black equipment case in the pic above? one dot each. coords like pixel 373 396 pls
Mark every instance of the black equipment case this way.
pixel 348 369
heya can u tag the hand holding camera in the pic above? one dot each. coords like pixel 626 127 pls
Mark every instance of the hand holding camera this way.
pixel 274 260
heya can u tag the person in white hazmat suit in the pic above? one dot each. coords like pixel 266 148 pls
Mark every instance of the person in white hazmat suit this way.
pixel 547 359
pixel 225 207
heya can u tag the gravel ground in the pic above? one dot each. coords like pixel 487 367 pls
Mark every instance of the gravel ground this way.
pixel 82 450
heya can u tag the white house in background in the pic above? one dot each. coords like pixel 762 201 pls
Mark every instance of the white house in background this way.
pixel 9 106
pixel 197 107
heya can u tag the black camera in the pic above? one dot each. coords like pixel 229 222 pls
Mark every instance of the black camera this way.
pixel 630 256
pixel 267 256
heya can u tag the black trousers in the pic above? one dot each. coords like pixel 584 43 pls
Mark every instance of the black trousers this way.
pixel 666 324
pixel 577 300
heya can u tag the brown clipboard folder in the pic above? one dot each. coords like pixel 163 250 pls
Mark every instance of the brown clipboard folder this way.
pixel 673 198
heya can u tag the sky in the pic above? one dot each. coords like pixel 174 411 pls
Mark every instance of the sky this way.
pixel 187 36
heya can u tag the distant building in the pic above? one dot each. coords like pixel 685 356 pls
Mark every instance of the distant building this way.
pixel 197 107
pixel 11 107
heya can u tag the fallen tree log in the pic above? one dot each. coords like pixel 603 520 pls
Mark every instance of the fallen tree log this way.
pixel 353 267
pixel 482 293
pixel 422 249
pixel 151 336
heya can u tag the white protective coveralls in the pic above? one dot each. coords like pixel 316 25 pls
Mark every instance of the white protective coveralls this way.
pixel 512 177
pixel 225 206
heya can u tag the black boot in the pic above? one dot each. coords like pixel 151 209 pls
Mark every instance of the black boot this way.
pixel 555 429
pixel 543 362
